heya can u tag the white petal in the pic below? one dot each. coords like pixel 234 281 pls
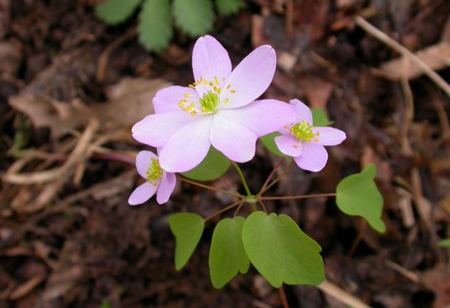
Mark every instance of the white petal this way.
pixel 187 147
pixel 210 59
pixel 250 78
pixel 289 145
pixel 235 141
pixel 166 187
pixel 142 193
pixel 314 157
pixel 144 161
pixel 262 117
pixel 167 99
pixel 156 129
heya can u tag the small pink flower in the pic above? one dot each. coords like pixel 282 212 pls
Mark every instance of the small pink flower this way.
pixel 158 181
pixel 304 142
pixel 218 109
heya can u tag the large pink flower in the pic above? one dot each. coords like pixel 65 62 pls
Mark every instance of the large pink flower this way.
pixel 157 180
pixel 304 142
pixel 218 109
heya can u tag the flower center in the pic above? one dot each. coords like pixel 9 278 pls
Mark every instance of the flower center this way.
pixel 209 102
pixel 154 172
pixel 213 93
pixel 303 131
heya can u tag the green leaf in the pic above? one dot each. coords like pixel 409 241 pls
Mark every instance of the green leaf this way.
pixel 155 25
pixel 188 229
pixel 214 165
pixel 195 17
pixel 280 251
pixel 113 12
pixel 229 7
pixel 444 243
pixel 358 195
pixel 320 118
pixel 227 256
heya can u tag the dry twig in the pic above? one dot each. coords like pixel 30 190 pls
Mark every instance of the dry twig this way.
pixel 438 80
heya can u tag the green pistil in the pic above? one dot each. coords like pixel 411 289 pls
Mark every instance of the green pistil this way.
pixel 303 131
pixel 209 102
pixel 154 172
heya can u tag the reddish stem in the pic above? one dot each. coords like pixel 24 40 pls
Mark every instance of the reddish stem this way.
pixel 299 197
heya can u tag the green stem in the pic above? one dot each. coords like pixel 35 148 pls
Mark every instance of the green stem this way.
pixel 244 182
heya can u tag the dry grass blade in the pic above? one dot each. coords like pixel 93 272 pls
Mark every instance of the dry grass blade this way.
pixel 26 288
pixel 77 155
pixel 341 295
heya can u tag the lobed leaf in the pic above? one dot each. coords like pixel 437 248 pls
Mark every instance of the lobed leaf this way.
pixel 444 242
pixel 320 118
pixel 227 256
pixel 194 17
pixel 280 251
pixel 187 229
pixel 113 12
pixel 214 165
pixel 358 195
pixel 155 25
pixel 229 7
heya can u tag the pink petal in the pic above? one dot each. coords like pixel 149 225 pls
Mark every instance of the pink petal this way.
pixel 166 187
pixel 303 111
pixel 262 117
pixel 289 145
pixel 142 193
pixel 250 78
pixel 314 157
pixel 235 141
pixel 187 147
pixel 210 59
pixel 143 162
pixel 329 135
pixel 156 129
pixel 167 99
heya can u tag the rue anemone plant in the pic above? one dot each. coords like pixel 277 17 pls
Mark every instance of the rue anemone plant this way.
pixel 202 129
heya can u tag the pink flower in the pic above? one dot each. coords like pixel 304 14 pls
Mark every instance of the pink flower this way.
pixel 304 142
pixel 158 181
pixel 218 109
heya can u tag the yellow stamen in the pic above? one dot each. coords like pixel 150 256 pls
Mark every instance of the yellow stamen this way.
pixel 233 91
pixel 226 101
pixel 216 81
pixel 187 95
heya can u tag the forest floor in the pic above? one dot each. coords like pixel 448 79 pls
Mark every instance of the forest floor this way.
pixel 67 235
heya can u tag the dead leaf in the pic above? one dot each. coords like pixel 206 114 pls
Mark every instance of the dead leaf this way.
pixel 131 101
pixel 438 280
pixel 437 57
pixel 318 92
